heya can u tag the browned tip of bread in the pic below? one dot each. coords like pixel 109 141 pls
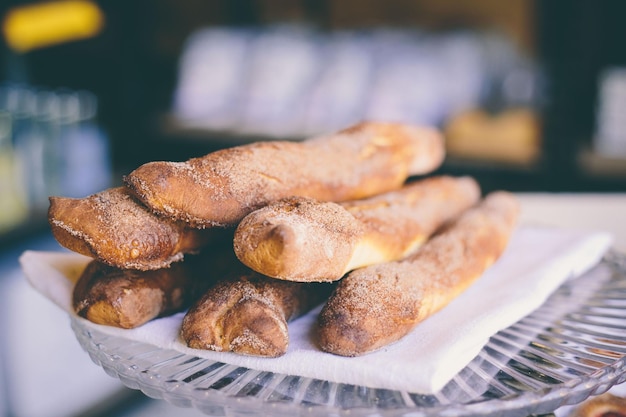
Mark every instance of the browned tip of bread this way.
pixel 431 149
pixel 63 226
pixel 298 239
pixel 426 144
pixel 171 190
pixel 250 327
pixel 237 316
pixel 126 315
pixel 115 228
pixel 128 298
pixel 113 297
pixel 504 208
pixel 363 314
pixel 605 405
pixel 255 328
pixel 333 337
pixel 248 313
pixel 268 249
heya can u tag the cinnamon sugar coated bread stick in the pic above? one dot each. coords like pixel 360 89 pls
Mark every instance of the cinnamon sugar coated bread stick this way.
pixel 116 229
pixel 300 239
pixel 603 405
pixel 222 187
pixel 129 298
pixel 377 305
pixel 248 314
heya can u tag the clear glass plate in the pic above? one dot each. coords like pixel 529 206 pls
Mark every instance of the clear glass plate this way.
pixel 573 347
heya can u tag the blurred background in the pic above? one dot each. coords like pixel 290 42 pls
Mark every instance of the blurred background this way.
pixel 530 94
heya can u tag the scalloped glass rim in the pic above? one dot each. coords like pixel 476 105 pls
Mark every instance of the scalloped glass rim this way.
pixel 573 347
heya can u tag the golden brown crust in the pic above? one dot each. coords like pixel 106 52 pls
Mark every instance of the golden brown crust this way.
pixel 300 239
pixel 116 229
pixel 604 405
pixel 128 298
pixel 248 314
pixel 377 305
pixel 222 187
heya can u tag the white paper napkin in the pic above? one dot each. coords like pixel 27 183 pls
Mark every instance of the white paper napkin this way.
pixel 537 261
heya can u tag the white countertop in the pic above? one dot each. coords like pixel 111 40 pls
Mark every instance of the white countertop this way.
pixel 589 212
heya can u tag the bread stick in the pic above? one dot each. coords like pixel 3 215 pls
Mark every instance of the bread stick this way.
pixel 248 314
pixel 116 229
pixel 300 239
pixel 379 304
pixel 129 298
pixel 222 187
pixel 608 404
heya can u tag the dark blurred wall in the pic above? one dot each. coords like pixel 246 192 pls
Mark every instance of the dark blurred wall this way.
pixel 576 41
pixel 132 64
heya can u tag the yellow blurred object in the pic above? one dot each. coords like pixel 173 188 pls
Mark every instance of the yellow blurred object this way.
pixel 13 206
pixel 50 23
pixel 512 136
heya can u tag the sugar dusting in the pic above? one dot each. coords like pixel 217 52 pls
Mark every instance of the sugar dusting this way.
pixel 327 240
pixel 220 318
pixel 365 160
pixel 118 230
pixel 316 243
pixel 397 222
pixel 385 301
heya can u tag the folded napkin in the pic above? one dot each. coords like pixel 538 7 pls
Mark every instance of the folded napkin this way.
pixel 537 261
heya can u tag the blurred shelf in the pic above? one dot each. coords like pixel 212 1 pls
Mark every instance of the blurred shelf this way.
pixel 540 174
pixel 36 224
pixel 497 175
pixel 486 164
pixel 491 174
pixel 598 165
pixel 172 128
